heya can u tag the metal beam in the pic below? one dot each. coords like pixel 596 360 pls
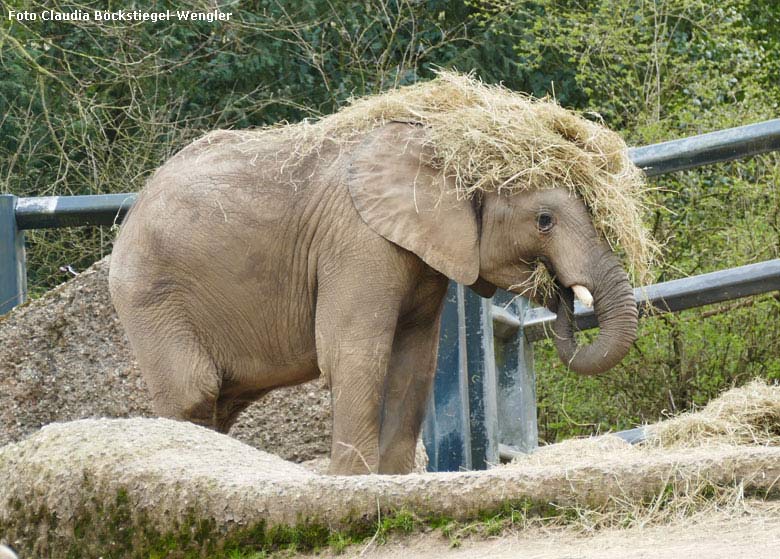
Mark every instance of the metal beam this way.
pixel 516 389
pixel 638 435
pixel 706 149
pixel 633 436
pixel 677 295
pixel 482 380
pixel 13 274
pixel 48 212
pixel 446 431
pixel 505 323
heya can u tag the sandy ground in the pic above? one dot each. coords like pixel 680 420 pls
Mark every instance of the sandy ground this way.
pixel 753 534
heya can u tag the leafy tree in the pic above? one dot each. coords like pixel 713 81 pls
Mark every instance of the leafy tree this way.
pixel 94 107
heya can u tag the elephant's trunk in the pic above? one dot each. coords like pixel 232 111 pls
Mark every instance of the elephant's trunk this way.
pixel 616 312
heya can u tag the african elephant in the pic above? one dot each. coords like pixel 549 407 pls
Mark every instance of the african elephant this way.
pixel 237 272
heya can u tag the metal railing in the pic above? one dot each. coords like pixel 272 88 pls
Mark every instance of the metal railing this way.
pixel 675 295
pixel 484 401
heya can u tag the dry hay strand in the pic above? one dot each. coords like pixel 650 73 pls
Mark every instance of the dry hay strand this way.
pixel 489 138
pixel 684 494
pixel 749 415
pixel 539 286
pixel 680 499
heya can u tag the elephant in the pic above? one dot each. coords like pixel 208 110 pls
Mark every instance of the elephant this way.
pixel 237 272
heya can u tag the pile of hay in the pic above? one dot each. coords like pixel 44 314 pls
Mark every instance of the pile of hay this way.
pixel 744 416
pixel 749 415
pixel 729 434
pixel 492 139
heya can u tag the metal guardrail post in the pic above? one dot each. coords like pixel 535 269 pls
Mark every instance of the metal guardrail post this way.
pixel 13 274
pixel 461 427
pixel 483 385
pixel 446 432
pixel 517 420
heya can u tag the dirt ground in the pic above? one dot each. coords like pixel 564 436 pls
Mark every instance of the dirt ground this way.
pixel 65 357
pixel 753 533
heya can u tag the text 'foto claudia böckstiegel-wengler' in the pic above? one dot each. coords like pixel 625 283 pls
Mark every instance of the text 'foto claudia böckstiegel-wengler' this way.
pixel 120 15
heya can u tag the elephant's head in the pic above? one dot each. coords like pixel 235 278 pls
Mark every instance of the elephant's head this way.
pixel 496 238
pixel 553 226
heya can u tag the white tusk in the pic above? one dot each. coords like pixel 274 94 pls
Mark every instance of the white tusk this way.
pixel 583 295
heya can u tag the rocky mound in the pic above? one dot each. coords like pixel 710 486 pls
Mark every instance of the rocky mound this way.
pixel 65 357
pixel 146 487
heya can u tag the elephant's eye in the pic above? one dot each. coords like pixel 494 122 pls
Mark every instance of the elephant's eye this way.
pixel 545 222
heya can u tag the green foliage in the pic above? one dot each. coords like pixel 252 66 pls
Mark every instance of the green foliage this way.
pixel 637 63
pixel 401 521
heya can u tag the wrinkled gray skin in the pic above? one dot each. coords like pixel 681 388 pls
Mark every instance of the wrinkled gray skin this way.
pixel 243 268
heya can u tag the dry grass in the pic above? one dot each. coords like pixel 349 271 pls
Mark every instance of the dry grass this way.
pixel 680 499
pixel 492 139
pixel 749 415
pixel 539 286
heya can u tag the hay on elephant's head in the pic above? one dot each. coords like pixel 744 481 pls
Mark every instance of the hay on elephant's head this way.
pixel 492 139
pixel 749 415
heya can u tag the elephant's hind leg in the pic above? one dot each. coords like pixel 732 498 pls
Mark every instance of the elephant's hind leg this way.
pixel 182 378
pixel 230 407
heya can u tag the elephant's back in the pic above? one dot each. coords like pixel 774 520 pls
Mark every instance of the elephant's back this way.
pixel 229 179
pixel 233 237
pixel 224 233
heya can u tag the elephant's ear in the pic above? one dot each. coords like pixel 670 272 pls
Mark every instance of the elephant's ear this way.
pixel 401 197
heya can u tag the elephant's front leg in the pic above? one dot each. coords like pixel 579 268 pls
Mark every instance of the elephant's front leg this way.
pixel 354 341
